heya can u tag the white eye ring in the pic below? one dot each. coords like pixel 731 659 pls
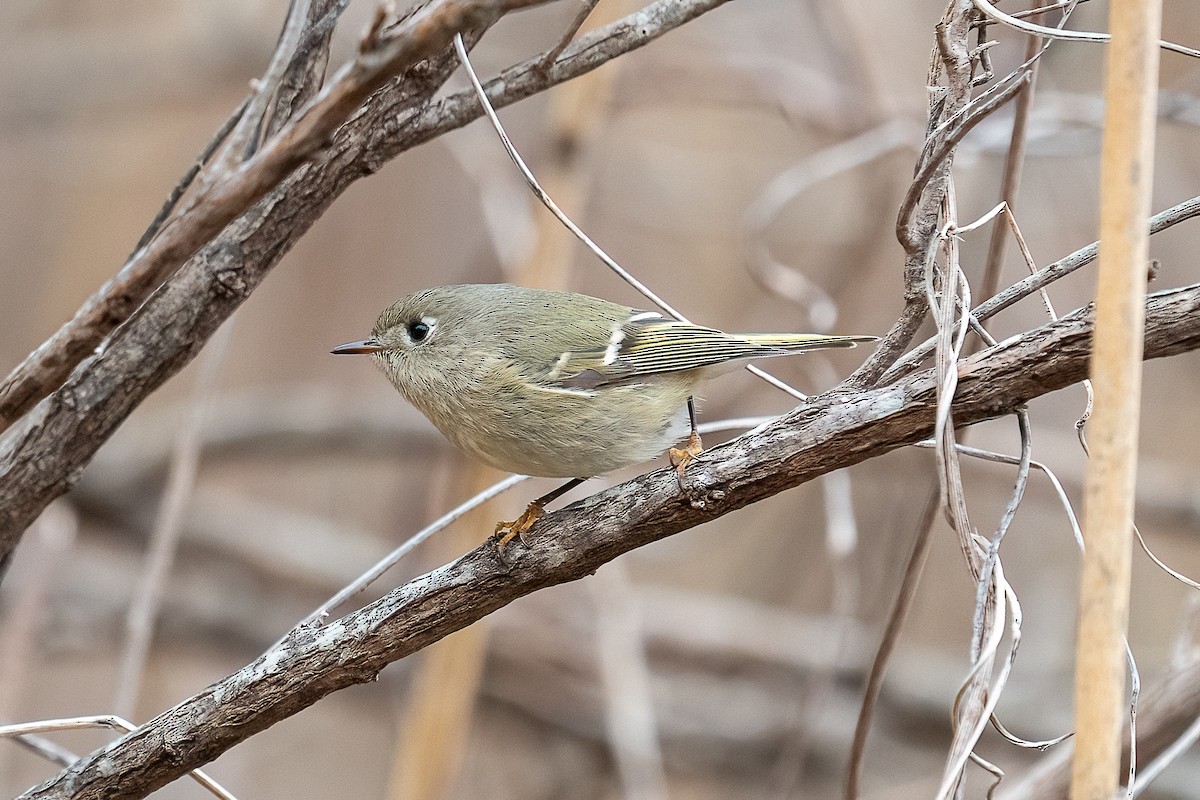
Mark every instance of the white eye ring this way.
pixel 420 330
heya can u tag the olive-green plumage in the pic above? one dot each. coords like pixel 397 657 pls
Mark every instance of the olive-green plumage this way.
pixel 555 384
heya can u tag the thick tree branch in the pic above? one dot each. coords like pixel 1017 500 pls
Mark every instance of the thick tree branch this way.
pixel 831 432
pixel 42 456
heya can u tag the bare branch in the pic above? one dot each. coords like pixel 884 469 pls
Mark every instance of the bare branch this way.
pixel 26 732
pixel 830 432
pixel 306 72
pixel 246 135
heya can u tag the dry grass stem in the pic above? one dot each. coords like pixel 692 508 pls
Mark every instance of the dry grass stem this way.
pixel 394 557
pixel 898 614
pixel 1014 163
pixel 1126 178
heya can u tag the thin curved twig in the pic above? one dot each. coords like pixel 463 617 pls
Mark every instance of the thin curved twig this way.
pixel 1065 34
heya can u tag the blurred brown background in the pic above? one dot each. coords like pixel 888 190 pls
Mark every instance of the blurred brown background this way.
pixel 743 642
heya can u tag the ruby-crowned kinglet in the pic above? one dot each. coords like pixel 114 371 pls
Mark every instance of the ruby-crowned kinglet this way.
pixel 556 384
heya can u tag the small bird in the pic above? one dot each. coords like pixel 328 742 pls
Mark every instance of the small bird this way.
pixel 557 384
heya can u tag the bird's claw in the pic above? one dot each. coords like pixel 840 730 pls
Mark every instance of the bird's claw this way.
pixel 695 492
pixel 682 457
pixel 507 531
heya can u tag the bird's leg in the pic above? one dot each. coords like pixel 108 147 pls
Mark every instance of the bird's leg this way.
pixel 681 457
pixel 516 529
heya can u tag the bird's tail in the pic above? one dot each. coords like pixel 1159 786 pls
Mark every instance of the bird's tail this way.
pixel 799 342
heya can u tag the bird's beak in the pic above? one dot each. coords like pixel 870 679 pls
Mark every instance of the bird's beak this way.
pixel 371 345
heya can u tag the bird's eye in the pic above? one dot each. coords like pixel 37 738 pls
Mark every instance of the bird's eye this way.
pixel 417 331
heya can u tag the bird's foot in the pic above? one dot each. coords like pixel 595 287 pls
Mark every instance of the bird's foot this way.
pixel 697 495
pixel 507 531
pixel 681 457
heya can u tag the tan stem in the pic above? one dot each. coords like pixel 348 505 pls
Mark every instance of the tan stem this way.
pixel 1116 372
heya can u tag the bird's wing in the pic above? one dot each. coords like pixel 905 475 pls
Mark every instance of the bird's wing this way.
pixel 647 343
